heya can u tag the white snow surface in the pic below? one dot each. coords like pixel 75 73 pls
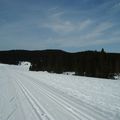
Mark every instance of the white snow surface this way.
pixel 26 95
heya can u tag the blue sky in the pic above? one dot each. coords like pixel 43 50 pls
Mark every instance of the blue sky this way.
pixel 71 25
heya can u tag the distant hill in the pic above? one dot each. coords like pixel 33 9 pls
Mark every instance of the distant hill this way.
pixel 88 63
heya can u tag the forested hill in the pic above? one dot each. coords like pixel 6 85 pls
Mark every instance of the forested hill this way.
pixel 88 63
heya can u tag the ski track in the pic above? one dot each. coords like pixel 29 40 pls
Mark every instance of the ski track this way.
pixel 62 103
pixel 81 111
pixel 34 103
pixel 49 103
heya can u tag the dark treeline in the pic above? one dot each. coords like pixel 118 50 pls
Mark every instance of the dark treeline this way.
pixel 88 63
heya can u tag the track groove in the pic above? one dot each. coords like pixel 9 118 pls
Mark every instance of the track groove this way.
pixel 34 103
pixel 84 112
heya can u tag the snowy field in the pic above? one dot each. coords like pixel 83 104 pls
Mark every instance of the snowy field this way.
pixel 26 95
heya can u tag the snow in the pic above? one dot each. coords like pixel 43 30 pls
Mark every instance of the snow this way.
pixel 24 65
pixel 68 73
pixel 26 95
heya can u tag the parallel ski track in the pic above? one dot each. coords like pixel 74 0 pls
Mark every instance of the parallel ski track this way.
pixel 39 110
pixel 80 112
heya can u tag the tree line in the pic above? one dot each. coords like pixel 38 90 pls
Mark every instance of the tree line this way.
pixel 88 63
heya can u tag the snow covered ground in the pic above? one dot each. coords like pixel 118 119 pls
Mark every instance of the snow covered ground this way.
pixel 26 95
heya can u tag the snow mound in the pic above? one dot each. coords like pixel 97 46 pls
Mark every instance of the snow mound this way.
pixel 24 65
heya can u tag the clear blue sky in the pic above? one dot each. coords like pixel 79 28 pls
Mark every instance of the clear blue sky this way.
pixel 71 25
